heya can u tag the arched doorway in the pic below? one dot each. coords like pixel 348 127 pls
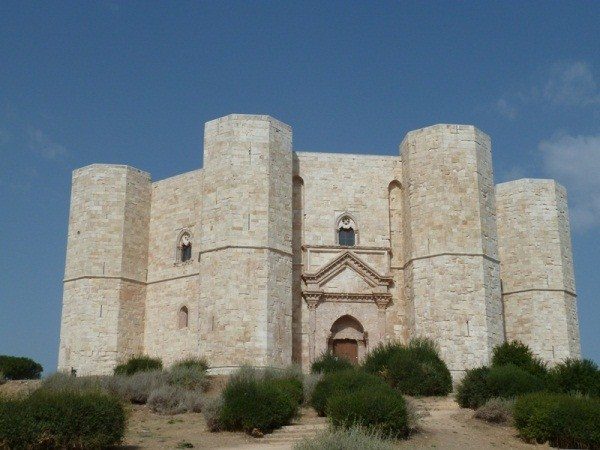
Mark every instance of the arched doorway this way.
pixel 347 338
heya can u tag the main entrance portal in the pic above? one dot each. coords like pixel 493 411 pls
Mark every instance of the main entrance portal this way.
pixel 346 348
pixel 347 339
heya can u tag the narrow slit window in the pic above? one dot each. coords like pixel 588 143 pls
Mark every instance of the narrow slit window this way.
pixel 182 318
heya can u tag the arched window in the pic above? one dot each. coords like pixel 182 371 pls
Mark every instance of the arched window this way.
pixel 182 317
pixel 346 231
pixel 184 248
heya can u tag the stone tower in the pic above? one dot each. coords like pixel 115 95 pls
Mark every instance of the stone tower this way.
pixel 451 250
pixel 105 274
pixel 246 242
pixel 537 268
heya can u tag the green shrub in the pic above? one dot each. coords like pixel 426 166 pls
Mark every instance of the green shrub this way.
pixel 562 420
pixel 496 410
pixel 575 376
pixel 380 408
pixel 329 363
pixel 137 387
pixel 175 400
pixel 354 438
pixel 250 402
pixel 377 360
pixel 292 388
pixel 198 363
pixel 211 409
pixel 419 370
pixel 518 354
pixel 480 385
pixel 138 364
pixel 188 377
pixel 309 382
pixel 62 419
pixel 19 368
pixel 346 381
pixel 511 381
pixel 472 391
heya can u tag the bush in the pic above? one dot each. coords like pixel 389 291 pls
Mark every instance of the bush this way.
pixel 418 370
pixel 377 360
pixel 138 364
pixel 518 354
pixel 472 391
pixel 511 381
pixel 379 408
pixel 137 387
pixel 212 412
pixel 250 402
pixel 575 376
pixel 309 382
pixel 329 363
pixel 198 363
pixel 482 384
pixel 175 400
pixel 189 377
pixel 346 381
pixel 19 368
pixel 562 420
pixel 496 410
pixel 354 438
pixel 62 419
pixel 292 387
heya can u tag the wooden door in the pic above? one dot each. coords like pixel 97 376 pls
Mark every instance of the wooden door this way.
pixel 346 348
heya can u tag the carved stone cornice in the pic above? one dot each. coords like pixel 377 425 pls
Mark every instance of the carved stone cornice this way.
pixel 339 263
pixel 312 299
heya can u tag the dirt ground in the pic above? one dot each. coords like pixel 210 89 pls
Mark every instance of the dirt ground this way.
pixel 443 425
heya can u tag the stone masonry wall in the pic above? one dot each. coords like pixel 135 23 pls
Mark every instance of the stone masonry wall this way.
pixel 451 257
pixel 172 284
pixel 246 230
pixel 104 293
pixel 334 184
pixel 431 219
pixel 537 268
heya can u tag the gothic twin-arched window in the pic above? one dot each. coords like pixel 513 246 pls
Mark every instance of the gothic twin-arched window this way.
pixel 346 231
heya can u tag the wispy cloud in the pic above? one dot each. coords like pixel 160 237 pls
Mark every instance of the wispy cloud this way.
pixel 571 84
pixel 575 162
pixel 42 144
pixel 563 84
pixel 505 109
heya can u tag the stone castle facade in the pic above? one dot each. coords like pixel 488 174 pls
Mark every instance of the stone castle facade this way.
pixel 267 256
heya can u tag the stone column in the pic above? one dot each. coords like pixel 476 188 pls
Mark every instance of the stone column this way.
pixel 312 300
pixel 382 304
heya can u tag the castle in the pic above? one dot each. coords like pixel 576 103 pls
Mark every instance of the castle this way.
pixel 267 256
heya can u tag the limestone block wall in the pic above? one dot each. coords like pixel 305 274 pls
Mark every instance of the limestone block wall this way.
pixel 333 184
pixel 450 237
pixel 246 230
pixel 105 274
pixel 537 268
pixel 172 284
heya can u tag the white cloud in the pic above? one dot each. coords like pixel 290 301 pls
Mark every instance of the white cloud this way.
pixel 574 161
pixel 505 109
pixel 571 84
pixel 41 143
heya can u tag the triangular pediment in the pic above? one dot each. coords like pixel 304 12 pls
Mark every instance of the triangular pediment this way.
pixel 349 265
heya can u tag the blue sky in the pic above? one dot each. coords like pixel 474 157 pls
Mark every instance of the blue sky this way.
pixel 133 82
